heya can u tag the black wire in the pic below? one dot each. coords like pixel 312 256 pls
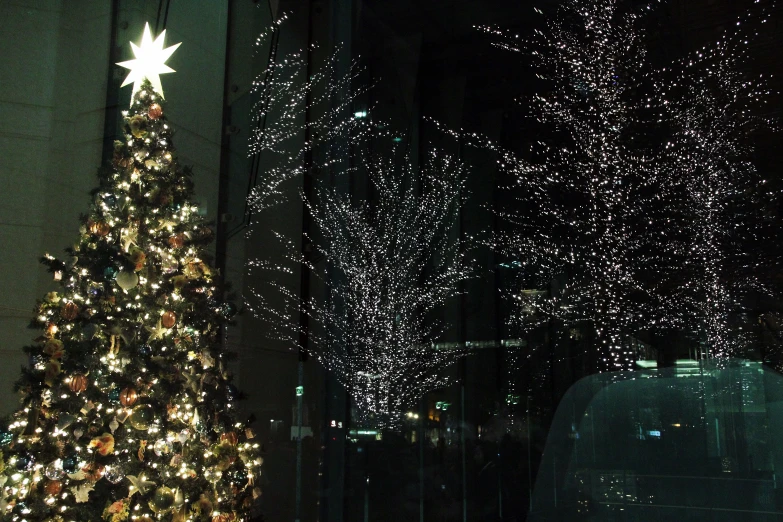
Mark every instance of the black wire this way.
pixel 166 14
pixel 255 165
pixel 157 18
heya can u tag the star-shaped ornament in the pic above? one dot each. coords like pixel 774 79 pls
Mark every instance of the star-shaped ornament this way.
pixel 150 62
pixel 129 238
pixel 192 380
pixel 139 484
pixel 166 223
pixel 158 332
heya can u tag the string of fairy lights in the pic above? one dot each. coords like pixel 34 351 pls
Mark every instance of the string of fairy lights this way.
pixel 387 267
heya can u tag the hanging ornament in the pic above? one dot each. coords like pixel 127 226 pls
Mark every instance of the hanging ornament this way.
pixel 114 394
pixel 6 437
pixel 127 280
pixel 25 461
pixel 169 319
pixel 54 470
pixel 164 158
pixel 230 437
pixel 168 263
pixel 144 349
pixel 129 238
pixel 212 474
pixel 142 417
pixel 64 421
pixel 162 499
pixel 155 111
pixel 99 228
pixel 177 241
pixel 142 450
pixel 110 200
pixel 138 126
pixel 179 498
pixel 110 272
pixel 70 464
pixel 53 487
pixel 201 421
pixel 78 429
pixel 78 383
pixel 114 424
pixel 128 397
pixel 239 476
pixel 114 474
pixel 95 290
pixel 162 447
pixel 69 311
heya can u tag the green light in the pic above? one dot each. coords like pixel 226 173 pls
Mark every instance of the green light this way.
pixel 442 405
pixel 299 391
pixel 397 139
pixel 360 114
pixel 512 399
pixel 363 432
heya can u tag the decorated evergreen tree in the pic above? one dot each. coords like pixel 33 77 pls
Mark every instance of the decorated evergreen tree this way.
pixel 128 408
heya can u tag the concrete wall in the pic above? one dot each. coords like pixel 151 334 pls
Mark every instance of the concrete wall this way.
pixel 54 72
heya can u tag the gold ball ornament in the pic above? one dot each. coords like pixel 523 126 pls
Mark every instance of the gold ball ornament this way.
pixel 99 228
pixel 78 383
pixel 69 311
pixel 142 417
pixel 155 111
pixel 128 397
pixel 162 500
pixel 138 126
pixel 168 319
pixel 127 280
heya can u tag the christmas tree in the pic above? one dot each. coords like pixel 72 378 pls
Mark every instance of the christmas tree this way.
pixel 129 412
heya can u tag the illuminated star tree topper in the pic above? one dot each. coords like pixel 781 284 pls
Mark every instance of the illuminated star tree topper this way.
pixel 150 61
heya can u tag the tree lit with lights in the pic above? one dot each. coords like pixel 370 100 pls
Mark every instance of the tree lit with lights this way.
pixel 712 108
pixel 625 202
pixel 128 408
pixel 388 266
